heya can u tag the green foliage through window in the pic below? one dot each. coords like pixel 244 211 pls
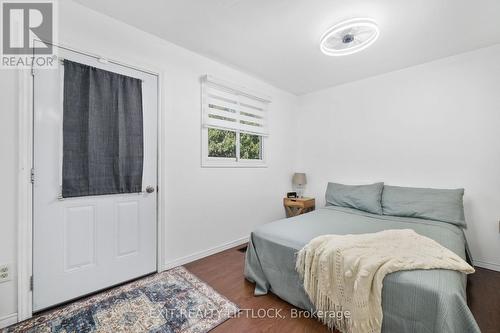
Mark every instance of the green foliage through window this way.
pixel 250 146
pixel 222 143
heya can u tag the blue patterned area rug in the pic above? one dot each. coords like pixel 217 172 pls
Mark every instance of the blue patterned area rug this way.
pixel 169 302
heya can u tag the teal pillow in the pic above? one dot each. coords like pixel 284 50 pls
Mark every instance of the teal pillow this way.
pixel 363 197
pixel 426 203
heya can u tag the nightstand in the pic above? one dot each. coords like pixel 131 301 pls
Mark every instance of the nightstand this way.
pixel 297 206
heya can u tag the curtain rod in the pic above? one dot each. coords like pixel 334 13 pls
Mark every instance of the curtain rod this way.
pixel 61 62
pixel 100 57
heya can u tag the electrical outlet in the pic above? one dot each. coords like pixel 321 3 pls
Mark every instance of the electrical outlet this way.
pixel 5 273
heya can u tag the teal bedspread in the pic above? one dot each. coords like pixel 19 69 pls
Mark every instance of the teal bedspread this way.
pixel 412 301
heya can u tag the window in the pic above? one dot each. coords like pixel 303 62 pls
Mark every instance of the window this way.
pixel 234 125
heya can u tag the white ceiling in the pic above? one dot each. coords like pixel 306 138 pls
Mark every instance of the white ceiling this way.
pixel 278 40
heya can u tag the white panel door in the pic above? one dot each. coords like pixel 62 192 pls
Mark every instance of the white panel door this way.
pixel 85 244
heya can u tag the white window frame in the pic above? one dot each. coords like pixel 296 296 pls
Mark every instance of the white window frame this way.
pixel 223 162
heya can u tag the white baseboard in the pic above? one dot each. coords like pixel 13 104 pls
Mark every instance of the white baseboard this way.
pixel 488 265
pixel 202 254
pixel 8 320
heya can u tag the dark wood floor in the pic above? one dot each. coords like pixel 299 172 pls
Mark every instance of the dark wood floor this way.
pixel 224 272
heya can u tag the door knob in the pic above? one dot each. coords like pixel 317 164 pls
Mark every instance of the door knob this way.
pixel 150 189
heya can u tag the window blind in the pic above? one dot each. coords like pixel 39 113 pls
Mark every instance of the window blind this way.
pixel 230 108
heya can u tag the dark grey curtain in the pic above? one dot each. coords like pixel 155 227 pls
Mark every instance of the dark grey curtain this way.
pixel 102 132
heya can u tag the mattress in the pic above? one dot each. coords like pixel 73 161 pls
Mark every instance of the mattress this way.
pixel 412 301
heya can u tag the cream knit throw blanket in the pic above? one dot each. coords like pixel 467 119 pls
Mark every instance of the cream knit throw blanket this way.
pixel 343 274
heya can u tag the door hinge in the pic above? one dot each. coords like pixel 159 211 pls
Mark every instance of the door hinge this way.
pixel 31 283
pixel 32 176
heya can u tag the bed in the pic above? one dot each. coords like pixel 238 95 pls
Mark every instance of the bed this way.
pixel 412 301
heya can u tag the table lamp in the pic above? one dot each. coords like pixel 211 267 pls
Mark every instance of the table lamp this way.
pixel 299 182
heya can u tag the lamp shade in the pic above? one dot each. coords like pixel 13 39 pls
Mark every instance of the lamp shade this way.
pixel 299 179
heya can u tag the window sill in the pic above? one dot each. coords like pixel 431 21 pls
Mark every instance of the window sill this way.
pixel 233 164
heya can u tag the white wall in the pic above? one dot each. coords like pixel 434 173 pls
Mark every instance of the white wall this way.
pixel 432 125
pixel 204 207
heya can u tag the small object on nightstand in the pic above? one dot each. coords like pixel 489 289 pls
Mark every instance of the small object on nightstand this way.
pixel 291 195
pixel 297 206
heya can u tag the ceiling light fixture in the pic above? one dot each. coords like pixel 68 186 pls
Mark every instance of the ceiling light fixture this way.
pixel 349 37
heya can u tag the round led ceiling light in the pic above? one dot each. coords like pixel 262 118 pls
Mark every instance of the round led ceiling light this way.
pixel 349 37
